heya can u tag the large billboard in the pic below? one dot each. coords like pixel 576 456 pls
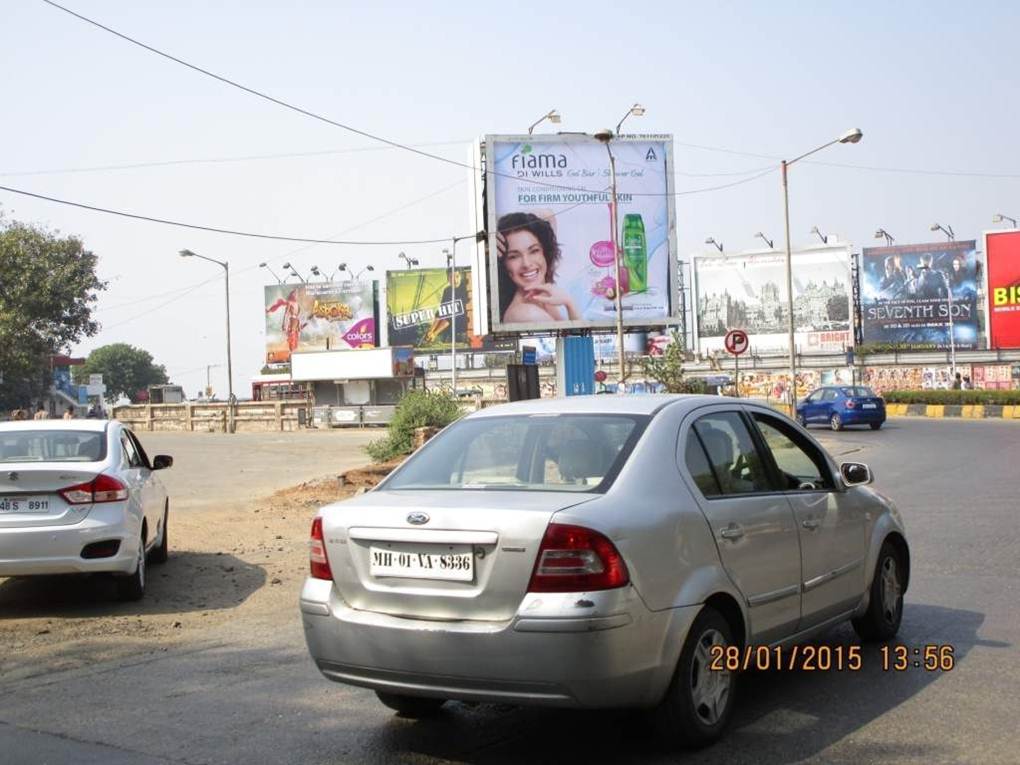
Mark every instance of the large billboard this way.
pixel 908 291
pixel 748 292
pixel 551 260
pixel 319 317
pixel 422 308
pixel 1002 252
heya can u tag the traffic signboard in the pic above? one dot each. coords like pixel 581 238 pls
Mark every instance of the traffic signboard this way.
pixel 736 341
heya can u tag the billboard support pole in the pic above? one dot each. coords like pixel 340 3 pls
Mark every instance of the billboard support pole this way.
pixel 616 261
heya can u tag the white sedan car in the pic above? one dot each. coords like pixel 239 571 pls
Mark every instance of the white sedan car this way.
pixel 80 497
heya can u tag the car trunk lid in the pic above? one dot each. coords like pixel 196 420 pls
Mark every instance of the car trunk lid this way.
pixel 442 555
pixel 28 495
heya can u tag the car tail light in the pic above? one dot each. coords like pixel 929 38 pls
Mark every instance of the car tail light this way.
pixel 576 559
pixel 102 488
pixel 850 404
pixel 317 553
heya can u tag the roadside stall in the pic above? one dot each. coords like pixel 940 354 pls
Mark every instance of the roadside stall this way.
pixel 354 387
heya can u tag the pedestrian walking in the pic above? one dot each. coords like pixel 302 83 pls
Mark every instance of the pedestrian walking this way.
pixel 40 413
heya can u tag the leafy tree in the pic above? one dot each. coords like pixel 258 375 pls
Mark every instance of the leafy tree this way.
pixel 668 369
pixel 418 409
pixel 126 370
pixel 48 287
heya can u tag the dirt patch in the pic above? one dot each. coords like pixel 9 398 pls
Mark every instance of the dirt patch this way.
pixel 323 491
pixel 242 563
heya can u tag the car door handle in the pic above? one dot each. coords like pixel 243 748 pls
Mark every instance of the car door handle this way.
pixel 732 532
pixel 811 524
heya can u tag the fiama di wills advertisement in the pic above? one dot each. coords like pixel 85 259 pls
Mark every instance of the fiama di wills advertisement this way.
pixel 319 317
pixel 551 255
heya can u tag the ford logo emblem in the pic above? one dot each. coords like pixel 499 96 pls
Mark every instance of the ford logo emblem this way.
pixel 418 518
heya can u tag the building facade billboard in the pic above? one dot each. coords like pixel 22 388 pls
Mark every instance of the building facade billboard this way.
pixel 550 254
pixel 1002 253
pixel 422 307
pixel 319 317
pixel 748 292
pixel 908 291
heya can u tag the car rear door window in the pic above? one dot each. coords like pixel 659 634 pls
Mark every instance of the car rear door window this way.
pixel 830 395
pixel 735 462
pixel 699 468
pixel 801 466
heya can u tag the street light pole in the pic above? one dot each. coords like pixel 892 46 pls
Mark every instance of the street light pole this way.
pixel 451 265
pixel 226 271
pixel 952 333
pixel 616 263
pixel 850 136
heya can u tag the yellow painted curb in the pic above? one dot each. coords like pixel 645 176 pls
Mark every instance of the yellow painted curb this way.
pixel 935 410
pixel 979 411
pixel 967 411
pixel 1007 411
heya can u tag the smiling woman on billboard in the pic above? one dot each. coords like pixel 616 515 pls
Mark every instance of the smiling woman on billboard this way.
pixel 528 255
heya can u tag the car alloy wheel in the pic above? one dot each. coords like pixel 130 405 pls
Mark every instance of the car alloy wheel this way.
pixel 836 422
pixel 885 602
pixel 710 688
pixel 802 420
pixel 892 592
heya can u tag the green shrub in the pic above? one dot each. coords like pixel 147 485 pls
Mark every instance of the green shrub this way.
pixel 951 397
pixel 418 409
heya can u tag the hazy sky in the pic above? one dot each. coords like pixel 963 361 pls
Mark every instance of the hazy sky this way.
pixel 933 85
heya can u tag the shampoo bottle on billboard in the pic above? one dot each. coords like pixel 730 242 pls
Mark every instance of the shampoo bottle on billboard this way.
pixel 635 252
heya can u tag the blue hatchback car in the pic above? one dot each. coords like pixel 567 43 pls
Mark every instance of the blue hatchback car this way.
pixel 841 405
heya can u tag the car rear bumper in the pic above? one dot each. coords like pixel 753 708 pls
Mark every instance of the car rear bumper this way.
pixel 557 651
pixel 863 416
pixel 57 549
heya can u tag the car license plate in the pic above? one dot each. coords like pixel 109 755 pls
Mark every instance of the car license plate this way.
pixel 450 562
pixel 871 406
pixel 24 505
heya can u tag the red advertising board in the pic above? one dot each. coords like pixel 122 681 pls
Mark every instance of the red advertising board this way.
pixel 1002 249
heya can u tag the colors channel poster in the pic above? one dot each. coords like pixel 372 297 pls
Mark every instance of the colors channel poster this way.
pixel 551 259
pixel 319 317
pixel 908 291
pixel 421 304
pixel 748 292
pixel 1002 251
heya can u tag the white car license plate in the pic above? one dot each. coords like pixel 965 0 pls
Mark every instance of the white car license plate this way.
pixel 452 562
pixel 24 505
pixel 870 406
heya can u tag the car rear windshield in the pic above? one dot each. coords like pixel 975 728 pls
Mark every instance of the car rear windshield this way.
pixel 52 446
pixel 858 391
pixel 541 452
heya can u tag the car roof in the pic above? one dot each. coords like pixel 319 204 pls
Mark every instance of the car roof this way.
pixel 634 403
pixel 94 426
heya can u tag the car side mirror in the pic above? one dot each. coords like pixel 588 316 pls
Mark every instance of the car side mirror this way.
pixel 856 474
pixel 162 461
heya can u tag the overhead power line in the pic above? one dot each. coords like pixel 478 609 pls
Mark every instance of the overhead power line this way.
pixel 217 230
pixel 414 150
pixel 327 120
pixel 210 160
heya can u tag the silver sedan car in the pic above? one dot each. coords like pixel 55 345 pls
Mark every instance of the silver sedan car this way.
pixel 599 552
pixel 80 497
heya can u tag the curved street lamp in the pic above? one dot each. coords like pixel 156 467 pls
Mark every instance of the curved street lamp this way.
pixel 853 135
